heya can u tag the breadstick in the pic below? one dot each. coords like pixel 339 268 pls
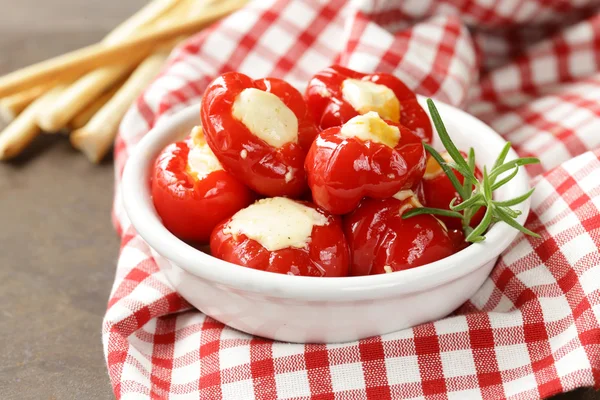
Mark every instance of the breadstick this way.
pixel 83 92
pixel 81 119
pixel 12 106
pixel 80 94
pixel 86 89
pixel 197 7
pixel 87 58
pixel 24 128
pixel 96 137
pixel 153 11
pixel 175 15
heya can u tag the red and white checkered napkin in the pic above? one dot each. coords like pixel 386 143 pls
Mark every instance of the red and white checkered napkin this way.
pixel 531 69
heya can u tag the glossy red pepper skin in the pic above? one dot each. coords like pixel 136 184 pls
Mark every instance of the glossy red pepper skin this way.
pixel 265 167
pixel 332 110
pixel 458 239
pixel 379 237
pixel 189 207
pixel 436 191
pixel 341 170
pixel 326 254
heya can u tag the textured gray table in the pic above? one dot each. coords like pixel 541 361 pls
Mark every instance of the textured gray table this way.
pixel 57 247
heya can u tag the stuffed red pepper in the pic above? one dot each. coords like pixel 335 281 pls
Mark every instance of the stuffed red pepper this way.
pixel 191 191
pixel 337 94
pixel 260 131
pixel 367 156
pixel 283 236
pixel 381 241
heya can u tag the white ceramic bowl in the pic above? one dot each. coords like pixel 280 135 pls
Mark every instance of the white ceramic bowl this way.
pixel 321 310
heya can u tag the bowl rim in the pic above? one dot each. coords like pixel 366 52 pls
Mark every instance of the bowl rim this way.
pixel 140 211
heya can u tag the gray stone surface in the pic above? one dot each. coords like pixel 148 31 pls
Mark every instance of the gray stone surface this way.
pixel 57 245
pixel 57 260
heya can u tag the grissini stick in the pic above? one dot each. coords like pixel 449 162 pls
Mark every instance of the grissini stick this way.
pixel 12 106
pixel 198 7
pixel 96 137
pixel 83 92
pixel 171 15
pixel 24 128
pixel 150 13
pixel 87 58
pixel 176 15
pixel 87 113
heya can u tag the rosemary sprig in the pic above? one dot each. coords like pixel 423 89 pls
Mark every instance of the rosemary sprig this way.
pixel 475 193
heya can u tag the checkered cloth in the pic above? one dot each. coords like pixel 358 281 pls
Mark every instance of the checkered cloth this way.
pixel 530 69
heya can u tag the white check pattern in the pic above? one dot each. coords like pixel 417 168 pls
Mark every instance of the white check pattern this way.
pixel 529 68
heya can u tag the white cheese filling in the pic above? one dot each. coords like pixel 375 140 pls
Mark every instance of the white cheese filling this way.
pixel 201 160
pixel 433 168
pixel 370 127
pixel 403 194
pixel 365 96
pixel 276 223
pixel 289 175
pixel 412 203
pixel 266 116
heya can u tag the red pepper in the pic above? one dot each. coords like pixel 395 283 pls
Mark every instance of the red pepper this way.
pixel 458 239
pixel 381 241
pixel 329 107
pixel 436 191
pixel 267 169
pixel 189 205
pixel 325 253
pixel 342 170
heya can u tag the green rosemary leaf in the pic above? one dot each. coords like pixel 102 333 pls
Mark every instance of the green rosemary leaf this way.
pixel 465 172
pixel 434 211
pixel 502 156
pixel 476 239
pixel 516 200
pixel 447 170
pixel 508 220
pixel 519 162
pixel 443 135
pixel 475 200
pixel 511 213
pixel 506 179
pixel 487 187
pixel 476 193
pixel 469 183
pixel 483 225
pixel 471 160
